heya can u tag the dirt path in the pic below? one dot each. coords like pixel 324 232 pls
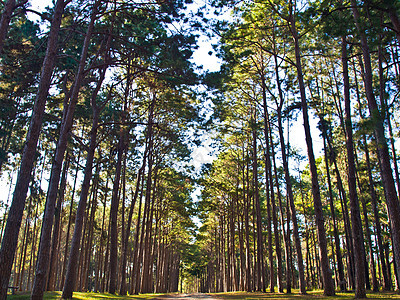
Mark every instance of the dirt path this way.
pixel 196 296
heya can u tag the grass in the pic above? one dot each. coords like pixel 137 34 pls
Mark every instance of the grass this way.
pixel 317 295
pixel 80 296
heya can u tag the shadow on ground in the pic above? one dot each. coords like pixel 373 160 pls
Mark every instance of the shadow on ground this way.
pixel 211 296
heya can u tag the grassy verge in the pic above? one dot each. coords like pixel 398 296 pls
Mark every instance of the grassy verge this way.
pixel 310 295
pixel 80 296
pixel 317 295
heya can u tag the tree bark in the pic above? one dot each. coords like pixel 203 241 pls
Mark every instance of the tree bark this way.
pixel 123 289
pixel 260 252
pixel 356 225
pixel 10 237
pixel 148 208
pixel 386 113
pixel 240 221
pixel 278 248
pixel 18 277
pixel 53 265
pixel 277 234
pixel 114 217
pixel 139 259
pixel 342 282
pixel 269 191
pixel 5 21
pixel 329 287
pixel 372 192
pixel 392 200
pixel 368 235
pixel 345 212
pixel 76 239
pixel 67 239
pixel 290 199
pixel 136 246
pixel 246 199
pixel 44 245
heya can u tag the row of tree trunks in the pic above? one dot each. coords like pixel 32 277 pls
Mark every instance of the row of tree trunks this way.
pixel 357 230
pixel 220 274
pixel 138 266
pixel 82 254
pixel 44 245
pixel 76 239
pixel 392 200
pixel 10 236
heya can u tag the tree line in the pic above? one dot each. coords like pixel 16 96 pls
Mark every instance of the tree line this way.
pixel 97 105
pixel 101 107
pixel 268 221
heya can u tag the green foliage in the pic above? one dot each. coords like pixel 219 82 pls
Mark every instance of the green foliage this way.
pixel 20 64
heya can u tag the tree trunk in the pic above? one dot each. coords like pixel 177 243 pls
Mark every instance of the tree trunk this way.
pixel 260 252
pixel 114 217
pixel 123 288
pixel 289 273
pixel 374 203
pixel 392 200
pixel 269 191
pixel 368 234
pixel 278 248
pixel 91 225
pixel 67 239
pixel 222 249
pixel 33 249
pixel 44 245
pixel 345 212
pixel 8 9
pixel 232 209
pixel 141 261
pixel 276 227
pixel 148 209
pixel 10 237
pixel 76 239
pixel 356 225
pixel 247 228
pixel 386 113
pixel 329 287
pixel 147 279
pixel 279 105
pixel 136 246
pixel 53 265
pixel 240 222
pixel 290 198
pixel 342 282
pixel 372 192
pixel 18 277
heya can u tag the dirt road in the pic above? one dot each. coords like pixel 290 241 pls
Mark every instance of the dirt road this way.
pixel 196 296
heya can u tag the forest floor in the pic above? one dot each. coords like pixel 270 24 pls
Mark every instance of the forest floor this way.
pixel 317 295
